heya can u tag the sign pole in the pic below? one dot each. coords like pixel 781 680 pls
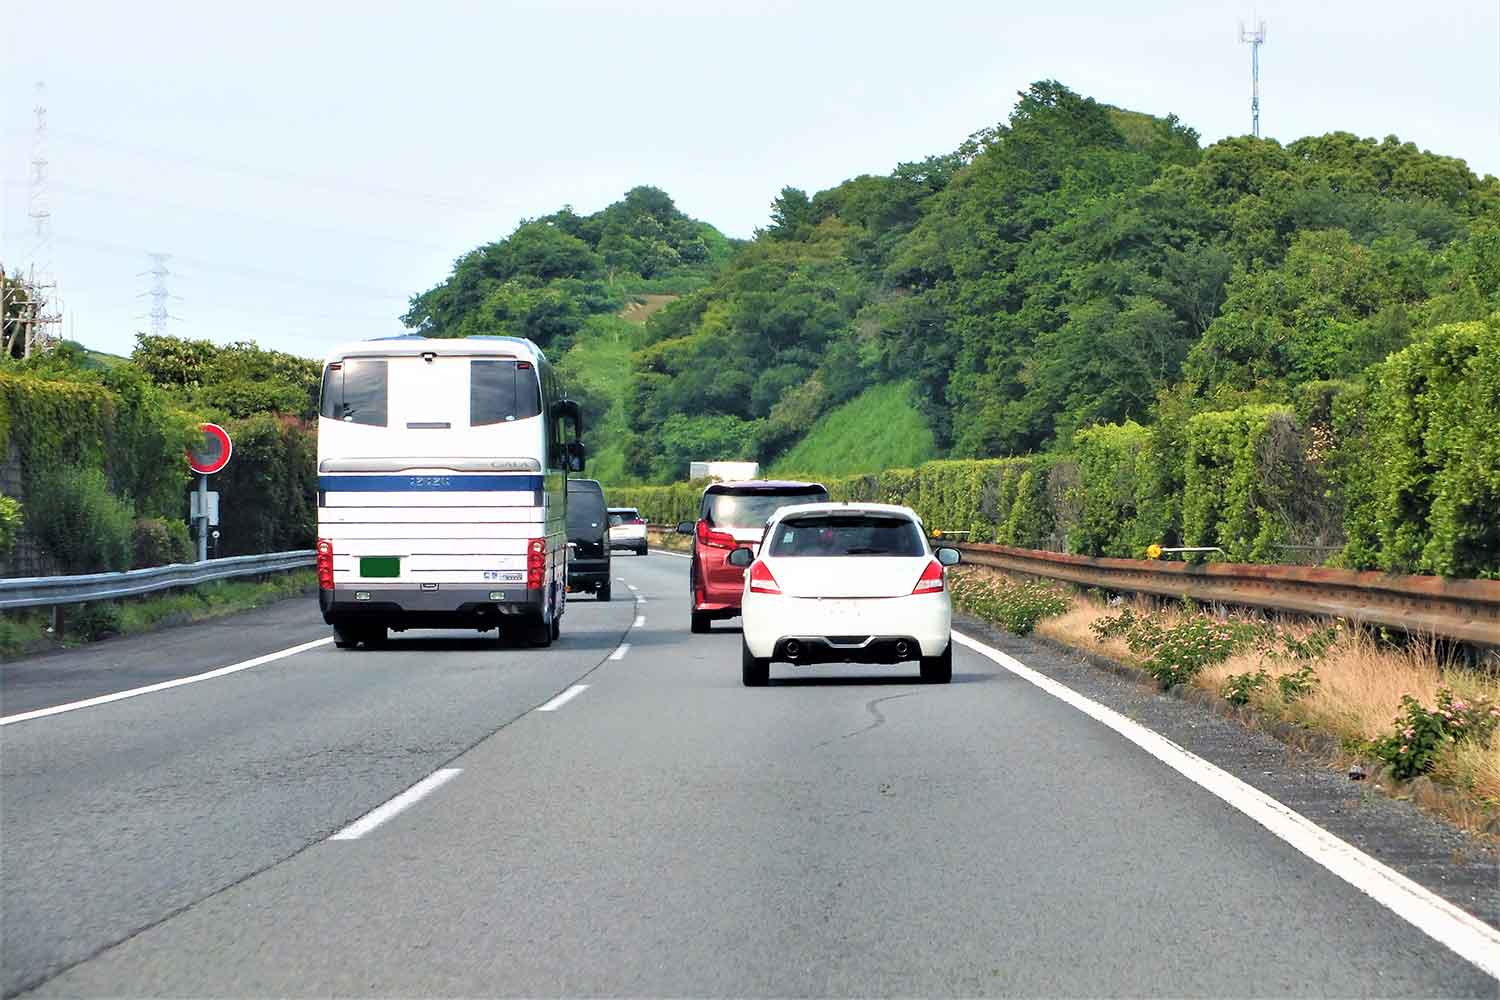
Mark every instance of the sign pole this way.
pixel 202 518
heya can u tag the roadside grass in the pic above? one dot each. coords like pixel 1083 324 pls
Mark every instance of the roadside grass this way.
pixel 878 429
pixel 1345 683
pixel 24 633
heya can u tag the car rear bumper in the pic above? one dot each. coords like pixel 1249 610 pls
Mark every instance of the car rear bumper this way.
pixel 847 649
pixel 587 574
pixel 847 629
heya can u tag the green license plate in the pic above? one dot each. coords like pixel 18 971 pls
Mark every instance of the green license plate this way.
pixel 380 566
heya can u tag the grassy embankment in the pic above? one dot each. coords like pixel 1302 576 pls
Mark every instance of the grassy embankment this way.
pixel 25 632
pixel 878 429
pixel 1343 683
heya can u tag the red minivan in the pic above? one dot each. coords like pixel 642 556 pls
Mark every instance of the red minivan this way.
pixel 731 515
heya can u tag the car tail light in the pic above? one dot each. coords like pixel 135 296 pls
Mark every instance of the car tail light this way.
pixel 536 563
pixel 325 564
pixel 761 580
pixel 714 539
pixel 638 520
pixel 931 580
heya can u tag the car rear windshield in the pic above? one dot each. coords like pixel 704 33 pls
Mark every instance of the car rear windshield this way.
pixel 626 516
pixel 753 508
pixel 354 391
pixel 847 535
pixel 586 517
pixel 500 391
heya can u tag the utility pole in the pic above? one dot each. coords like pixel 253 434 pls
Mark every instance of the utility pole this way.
pixel 1255 39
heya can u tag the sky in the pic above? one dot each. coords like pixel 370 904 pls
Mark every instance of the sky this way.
pixel 310 166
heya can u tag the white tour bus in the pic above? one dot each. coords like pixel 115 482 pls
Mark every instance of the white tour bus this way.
pixel 442 485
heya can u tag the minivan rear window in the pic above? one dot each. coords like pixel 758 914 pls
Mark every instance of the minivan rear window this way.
pixel 753 508
pixel 847 535
pixel 586 512
pixel 355 390
pixel 501 391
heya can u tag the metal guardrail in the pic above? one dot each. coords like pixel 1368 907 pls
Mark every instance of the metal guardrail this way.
pixel 1468 610
pixel 44 591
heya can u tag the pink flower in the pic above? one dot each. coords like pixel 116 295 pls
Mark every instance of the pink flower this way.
pixel 1495 711
pixel 1408 732
pixel 1403 748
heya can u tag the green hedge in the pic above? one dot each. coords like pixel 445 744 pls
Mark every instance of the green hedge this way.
pixel 1234 493
pixel 1427 497
pixel 268 494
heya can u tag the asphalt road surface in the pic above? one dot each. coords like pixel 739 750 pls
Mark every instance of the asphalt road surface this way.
pixel 595 819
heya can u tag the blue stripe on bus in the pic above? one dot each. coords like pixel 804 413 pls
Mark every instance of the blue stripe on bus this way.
pixel 426 484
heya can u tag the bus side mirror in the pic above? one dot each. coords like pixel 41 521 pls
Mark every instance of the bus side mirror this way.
pixel 576 453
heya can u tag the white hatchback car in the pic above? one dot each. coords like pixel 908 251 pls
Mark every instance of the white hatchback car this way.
pixel 846 582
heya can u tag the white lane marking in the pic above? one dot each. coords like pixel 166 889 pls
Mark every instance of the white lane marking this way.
pixel 563 699
pixel 621 579
pixel 405 800
pixel 632 586
pixel 679 555
pixel 105 699
pixel 1461 932
pixel 620 651
pixel 640 620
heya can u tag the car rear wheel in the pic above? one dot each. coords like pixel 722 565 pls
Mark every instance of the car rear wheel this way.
pixel 701 623
pixel 938 669
pixel 754 671
pixel 603 592
pixel 345 637
pixel 641 551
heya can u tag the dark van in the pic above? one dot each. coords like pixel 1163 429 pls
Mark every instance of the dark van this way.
pixel 588 533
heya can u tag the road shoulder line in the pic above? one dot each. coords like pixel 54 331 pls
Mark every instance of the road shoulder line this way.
pixel 105 699
pixel 1461 932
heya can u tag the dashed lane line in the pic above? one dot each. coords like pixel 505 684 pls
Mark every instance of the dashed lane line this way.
pixel 392 807
pixel 563 699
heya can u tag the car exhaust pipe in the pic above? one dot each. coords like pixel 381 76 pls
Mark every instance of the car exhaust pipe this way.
pixel 902 648
pixel 793 649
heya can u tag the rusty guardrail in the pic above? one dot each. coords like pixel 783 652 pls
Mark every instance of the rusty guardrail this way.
pixel 1468 610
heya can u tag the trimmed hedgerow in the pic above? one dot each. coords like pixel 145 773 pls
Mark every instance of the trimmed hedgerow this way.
pixel 1431 503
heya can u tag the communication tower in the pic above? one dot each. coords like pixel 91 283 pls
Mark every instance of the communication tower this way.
pixel 1255 39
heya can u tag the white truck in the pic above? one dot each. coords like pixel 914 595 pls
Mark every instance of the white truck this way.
pixel 724 471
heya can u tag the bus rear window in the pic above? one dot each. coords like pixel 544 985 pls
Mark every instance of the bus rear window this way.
pixel 354 391
pixel 500 391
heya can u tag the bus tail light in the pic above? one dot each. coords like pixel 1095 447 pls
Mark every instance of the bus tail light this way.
pixel 325 564
pixel 536 563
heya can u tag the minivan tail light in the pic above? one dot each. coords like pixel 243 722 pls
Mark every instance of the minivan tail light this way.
pixel 931 580
pixel 325 564
pixel 536 563
pixel 761 580
pixel 714 539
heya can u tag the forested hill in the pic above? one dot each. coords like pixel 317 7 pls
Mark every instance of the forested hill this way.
pixel 1077 264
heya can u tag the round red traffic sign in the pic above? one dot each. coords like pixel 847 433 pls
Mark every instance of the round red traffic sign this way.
pixel 213 454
